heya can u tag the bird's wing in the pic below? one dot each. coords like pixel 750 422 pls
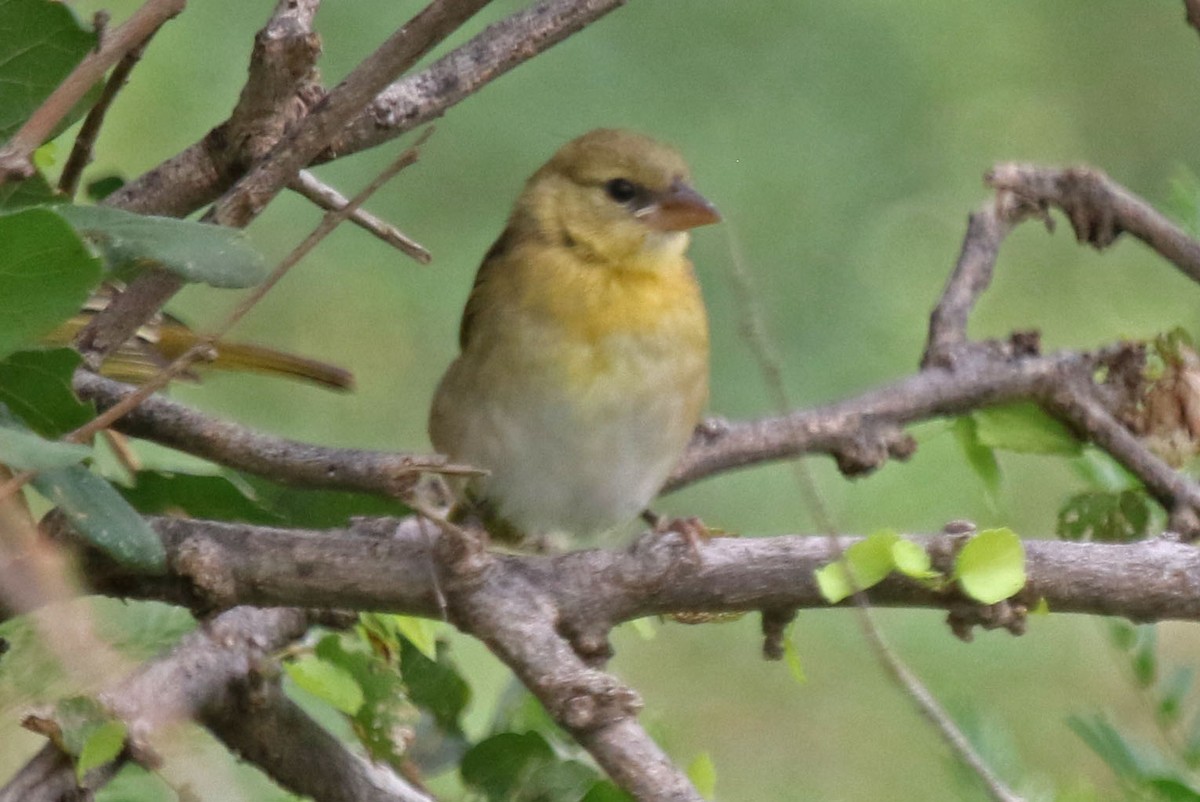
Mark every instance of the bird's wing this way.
pixel 492 261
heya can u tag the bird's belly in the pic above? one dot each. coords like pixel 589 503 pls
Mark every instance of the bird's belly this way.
pixel 586 453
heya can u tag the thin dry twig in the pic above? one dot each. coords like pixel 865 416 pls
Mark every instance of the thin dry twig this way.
pixel 81 151
pixel 16 156
pixel 330 199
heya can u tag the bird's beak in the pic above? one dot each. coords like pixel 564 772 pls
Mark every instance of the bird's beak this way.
pixel 681 208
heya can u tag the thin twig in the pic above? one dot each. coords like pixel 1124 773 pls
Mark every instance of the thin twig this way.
pixel 81 151
pixel 15 156
pixel 330 199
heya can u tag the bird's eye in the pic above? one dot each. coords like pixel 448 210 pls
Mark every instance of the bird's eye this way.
pixel 621 190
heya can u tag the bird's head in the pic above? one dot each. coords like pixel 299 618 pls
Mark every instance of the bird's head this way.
pixel 615 196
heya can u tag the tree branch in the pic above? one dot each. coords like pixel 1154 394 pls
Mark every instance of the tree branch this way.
pixel 500 47
pixel 388 564
pixel 276 458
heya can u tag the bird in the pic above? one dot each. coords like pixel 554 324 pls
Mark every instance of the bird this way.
pixel 166 337
pixel 583 366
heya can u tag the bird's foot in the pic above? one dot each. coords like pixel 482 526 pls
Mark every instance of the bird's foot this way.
pixel 693 531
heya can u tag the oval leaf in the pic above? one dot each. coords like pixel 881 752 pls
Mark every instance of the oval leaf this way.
pixel 196 252
pixel 24 450
pixel 991 566
pixel 102 746
pixel 327 681
pixel 1026 428
pixel 46 274
pixel 102 517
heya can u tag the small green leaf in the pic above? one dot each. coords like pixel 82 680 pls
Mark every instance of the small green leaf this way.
pixel 912 560
pixel 46 274
pixel 864 564
pixel 870 559
pixel 196 252
pixel 24 450
pixel 499 765
pixel 703 774
pixel 1105 517
pixel 106 520
pixel 101 746
pixel 1026 428
pixel 36 387
pixel 1042 607
pixel 88 732
pixel 834 582
pixel 981 458
pixel 33 191
pixel 385 721
pixel 327 681
pixel 1109 744
pixel 1145 656
pixel 222 497
pixel 1174 690
pixel 419 632
pixel 791 658
pixel 991 566
pixel 644 627
pixel 436 686
pixel 605 791
pixel 1123 634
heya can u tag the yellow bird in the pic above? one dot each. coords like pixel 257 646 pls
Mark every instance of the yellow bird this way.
pixel 584 363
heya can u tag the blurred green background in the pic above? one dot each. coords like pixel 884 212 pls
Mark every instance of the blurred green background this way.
pixel 845 144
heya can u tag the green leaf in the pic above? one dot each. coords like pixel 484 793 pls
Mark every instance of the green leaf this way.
pixel 327 681
pixel 912 560
pixel 435 685
pixel 101 746
pixel 36 387
pixel 1105 517
pixel 33 191
pixel 46 274
pixel 791 658
pixel 500 765
pixel 1123 634
pixel 385 721
pixel 1174 789
pixel 1173 693
pixel 646 627
pixel 102 517
pixel 605 791
pixel 864 564
pixel 981 458
pixel 318 509
pixel 1026 428
pixel 419 632
pixel 196 252
pixel 24 450
pixel 221 497
pixel 834 582
pixel 40 43
pixel 1109 744
pixel 991 566
pixel 87 731
pixel 1144 661
pixel 703 774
